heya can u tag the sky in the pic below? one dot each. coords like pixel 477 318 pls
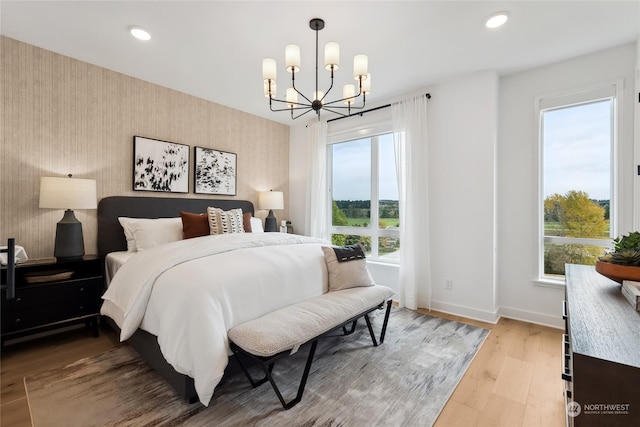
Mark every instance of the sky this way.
pixel 352 170
pixel 577 156
pixel 577 150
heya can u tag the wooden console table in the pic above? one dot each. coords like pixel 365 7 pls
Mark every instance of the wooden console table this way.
pixel 601 352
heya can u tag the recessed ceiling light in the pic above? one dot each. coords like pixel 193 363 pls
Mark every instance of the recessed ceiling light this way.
pixel 139 33
pixel 497 19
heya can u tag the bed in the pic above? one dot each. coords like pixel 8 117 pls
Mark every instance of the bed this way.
pixel 266 253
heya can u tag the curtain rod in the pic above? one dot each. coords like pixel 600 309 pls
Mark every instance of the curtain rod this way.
pixel 428 95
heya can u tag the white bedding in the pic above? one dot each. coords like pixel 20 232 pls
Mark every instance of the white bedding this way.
pixel 191 292
pixel 112 262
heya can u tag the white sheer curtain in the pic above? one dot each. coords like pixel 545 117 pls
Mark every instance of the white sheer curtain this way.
pixel 410 139
pixel 317 188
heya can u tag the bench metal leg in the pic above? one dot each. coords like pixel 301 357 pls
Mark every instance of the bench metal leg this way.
pixel 303 381
pixel 254 383
pixel 349 331
pixel 384 325
pixel 267 367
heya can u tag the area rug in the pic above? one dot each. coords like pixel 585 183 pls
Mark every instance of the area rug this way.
pixel 404 382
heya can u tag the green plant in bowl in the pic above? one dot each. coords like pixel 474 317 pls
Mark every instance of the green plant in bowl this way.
pixel 623 262
pixel 626 250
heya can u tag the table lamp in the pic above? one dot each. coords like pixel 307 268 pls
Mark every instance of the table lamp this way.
pixel 270 200
pixel 68 193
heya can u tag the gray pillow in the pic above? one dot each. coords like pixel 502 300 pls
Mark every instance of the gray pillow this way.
pixel 347 274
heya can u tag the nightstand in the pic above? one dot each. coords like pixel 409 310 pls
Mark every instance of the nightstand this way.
pixel 51 294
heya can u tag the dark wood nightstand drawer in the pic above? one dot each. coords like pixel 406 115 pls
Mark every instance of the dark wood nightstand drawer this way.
pixel 62 293
pixel 37 316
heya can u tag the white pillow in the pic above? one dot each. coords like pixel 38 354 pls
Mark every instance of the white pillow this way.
pixel 224 222
pixel 346 274
pixel 146 233
pixel 256 225
pixel 127 226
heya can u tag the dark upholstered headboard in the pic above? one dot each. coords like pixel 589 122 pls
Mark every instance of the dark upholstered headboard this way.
pixel 110 233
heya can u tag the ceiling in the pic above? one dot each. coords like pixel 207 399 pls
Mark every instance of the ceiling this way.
pixel 214 49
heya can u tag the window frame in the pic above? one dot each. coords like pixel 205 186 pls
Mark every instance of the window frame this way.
pixel 362 132
pixel 605 91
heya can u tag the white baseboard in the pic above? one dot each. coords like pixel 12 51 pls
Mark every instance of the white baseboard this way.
pixel 463 311
pixel 492 317
pixel 532 317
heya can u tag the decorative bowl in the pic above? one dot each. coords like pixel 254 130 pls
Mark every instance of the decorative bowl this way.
pixel 618 272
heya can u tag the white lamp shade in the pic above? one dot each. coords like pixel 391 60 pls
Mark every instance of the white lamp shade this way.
pixel 67 193
pixel 270 200
pixel 348 92
pixel 360 66
pixel 292 57
pixel 291 97
pixel 268 69
pixel 318 95
pixel 331 55
pixel 366 85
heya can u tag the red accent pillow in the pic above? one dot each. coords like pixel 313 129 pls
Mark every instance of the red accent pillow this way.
pixel 194 225
pixel 246 222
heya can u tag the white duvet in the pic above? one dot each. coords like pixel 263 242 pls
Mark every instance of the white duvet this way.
pixel 191 292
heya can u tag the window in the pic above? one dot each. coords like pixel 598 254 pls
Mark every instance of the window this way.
pixel 364 195
pixel 577 140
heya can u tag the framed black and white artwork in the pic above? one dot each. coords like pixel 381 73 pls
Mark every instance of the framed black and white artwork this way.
pixel 160 165
pixel 215 172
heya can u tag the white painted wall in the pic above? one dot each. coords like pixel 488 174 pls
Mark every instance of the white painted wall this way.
pixel 463 116
pixel 519 295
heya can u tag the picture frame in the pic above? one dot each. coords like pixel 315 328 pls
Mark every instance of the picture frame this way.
pixel 160 165
pixel 215 172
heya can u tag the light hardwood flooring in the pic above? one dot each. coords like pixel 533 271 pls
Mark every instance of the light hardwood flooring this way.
pixel 514 380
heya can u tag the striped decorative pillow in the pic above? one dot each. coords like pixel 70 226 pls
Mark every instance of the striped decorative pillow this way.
pixel 224 222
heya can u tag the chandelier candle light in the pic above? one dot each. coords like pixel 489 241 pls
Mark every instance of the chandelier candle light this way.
pixel 317 101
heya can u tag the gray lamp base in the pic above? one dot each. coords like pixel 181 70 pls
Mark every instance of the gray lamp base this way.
pixel 69 241
pixel 270 222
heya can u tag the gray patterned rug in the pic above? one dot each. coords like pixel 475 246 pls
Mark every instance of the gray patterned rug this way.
pixel 404 382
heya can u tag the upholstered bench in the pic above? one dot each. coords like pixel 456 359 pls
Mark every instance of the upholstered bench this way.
pixel 282 332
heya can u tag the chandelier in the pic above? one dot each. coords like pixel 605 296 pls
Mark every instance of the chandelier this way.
pixel 317 102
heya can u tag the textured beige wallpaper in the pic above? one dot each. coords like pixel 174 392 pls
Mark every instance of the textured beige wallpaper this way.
pixel 61 116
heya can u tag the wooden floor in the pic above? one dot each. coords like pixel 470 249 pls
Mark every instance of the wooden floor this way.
pixel 513 381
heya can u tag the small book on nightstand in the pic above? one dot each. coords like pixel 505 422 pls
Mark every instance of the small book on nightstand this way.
pixel 631 291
